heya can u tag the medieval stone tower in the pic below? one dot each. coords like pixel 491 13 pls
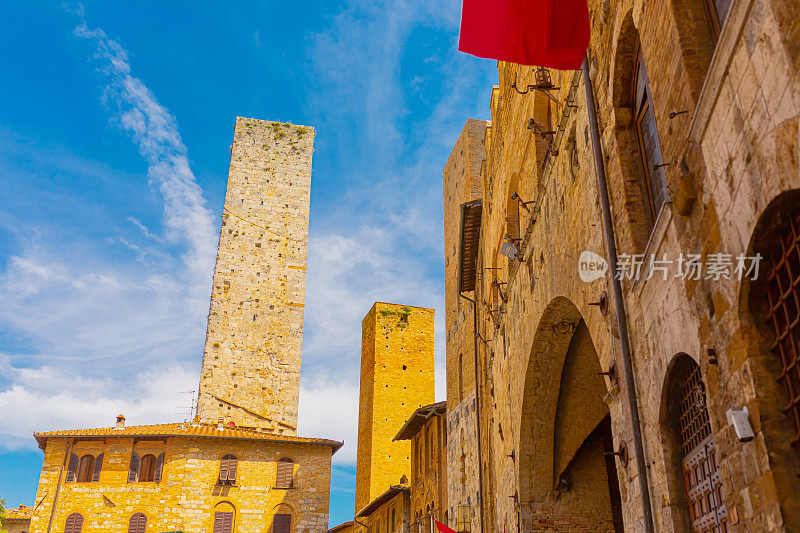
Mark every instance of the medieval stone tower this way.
pixel 396 378
pixel 251 362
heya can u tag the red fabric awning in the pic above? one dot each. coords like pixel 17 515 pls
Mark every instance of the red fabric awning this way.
pixel 547 33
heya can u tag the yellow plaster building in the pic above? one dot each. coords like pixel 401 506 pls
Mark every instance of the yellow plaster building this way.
pixel 183 477
pixel 239 467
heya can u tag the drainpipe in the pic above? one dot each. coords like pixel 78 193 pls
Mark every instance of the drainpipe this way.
pixel 67 447
pixel 619 304
pixel 477 403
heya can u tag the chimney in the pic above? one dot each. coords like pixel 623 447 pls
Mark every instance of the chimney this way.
pixel 120 422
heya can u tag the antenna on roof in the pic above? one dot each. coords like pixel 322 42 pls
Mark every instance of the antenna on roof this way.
pixel 187 410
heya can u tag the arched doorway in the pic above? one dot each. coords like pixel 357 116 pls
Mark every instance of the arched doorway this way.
pixel 565 431
pixel 693 473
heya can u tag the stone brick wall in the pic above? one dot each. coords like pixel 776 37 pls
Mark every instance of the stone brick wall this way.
pixel 732 159
pixel 381 518
pixel 461 182
pixel 396 379
pixel 251 362
pixel 429 480
pixel 186 497
pixel 462 460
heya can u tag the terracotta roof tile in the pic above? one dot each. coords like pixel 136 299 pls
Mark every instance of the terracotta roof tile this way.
pixel 180 429
pixel 20 513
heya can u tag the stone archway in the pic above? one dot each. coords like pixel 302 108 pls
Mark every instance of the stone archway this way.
pixel 696 500
pixel 770 334
pixel 565 429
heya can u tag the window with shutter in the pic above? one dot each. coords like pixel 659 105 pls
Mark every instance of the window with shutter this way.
pixel 654 179
pixel 86 469
pixel 147 470
pixel 285 474
pixel 159 467
pixel 227 469
pixel 223 522
pixel 133 470
pixel 74 523
pixel 137 523
pixel 98 466
pixel 72 469
pixel 282 523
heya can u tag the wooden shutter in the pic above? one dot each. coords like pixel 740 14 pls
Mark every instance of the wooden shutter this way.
pixel 137 523
pixel 159 467
pixel 133 470
pixel 285 474
pixel 98 465
pixel 282 523
pixel 233 462
pixel 72 469
pixel 74 523
pixel 227 469
pixel 223 522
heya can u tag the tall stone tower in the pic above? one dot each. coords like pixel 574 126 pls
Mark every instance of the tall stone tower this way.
pixel 461 184
pixel 251 363
pixel 396 379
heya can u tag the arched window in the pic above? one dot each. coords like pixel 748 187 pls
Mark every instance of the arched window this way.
pixel 137 523
pixel 284 478
pixel 147 470
pixel 717 12
pixel 512 211
pixel 694 445
pixel 86 468
pixel 282 519
pixel 427 519
pixel 461 376
pixel 224 515
pixel 782 260
pixel 655 183
pixel 227 469
pixel 74 523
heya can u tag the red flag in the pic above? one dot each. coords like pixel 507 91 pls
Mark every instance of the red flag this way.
pixel 443 528
pixel 547 33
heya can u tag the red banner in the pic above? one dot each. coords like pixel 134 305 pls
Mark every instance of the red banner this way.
pixel 547 33
pixel 443 528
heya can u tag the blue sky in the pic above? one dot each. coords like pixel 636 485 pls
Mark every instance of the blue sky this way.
pixel 115 125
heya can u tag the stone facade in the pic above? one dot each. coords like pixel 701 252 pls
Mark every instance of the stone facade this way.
pixel 461 184
pixel 725 108
pixel 429 472
pixel 189 492
pixel 251 362
pixel 396 379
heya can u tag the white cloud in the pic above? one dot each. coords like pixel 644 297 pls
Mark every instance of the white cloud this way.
pixel 102 334
pixel 45 398
pixel 155 131
pixel 330 410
